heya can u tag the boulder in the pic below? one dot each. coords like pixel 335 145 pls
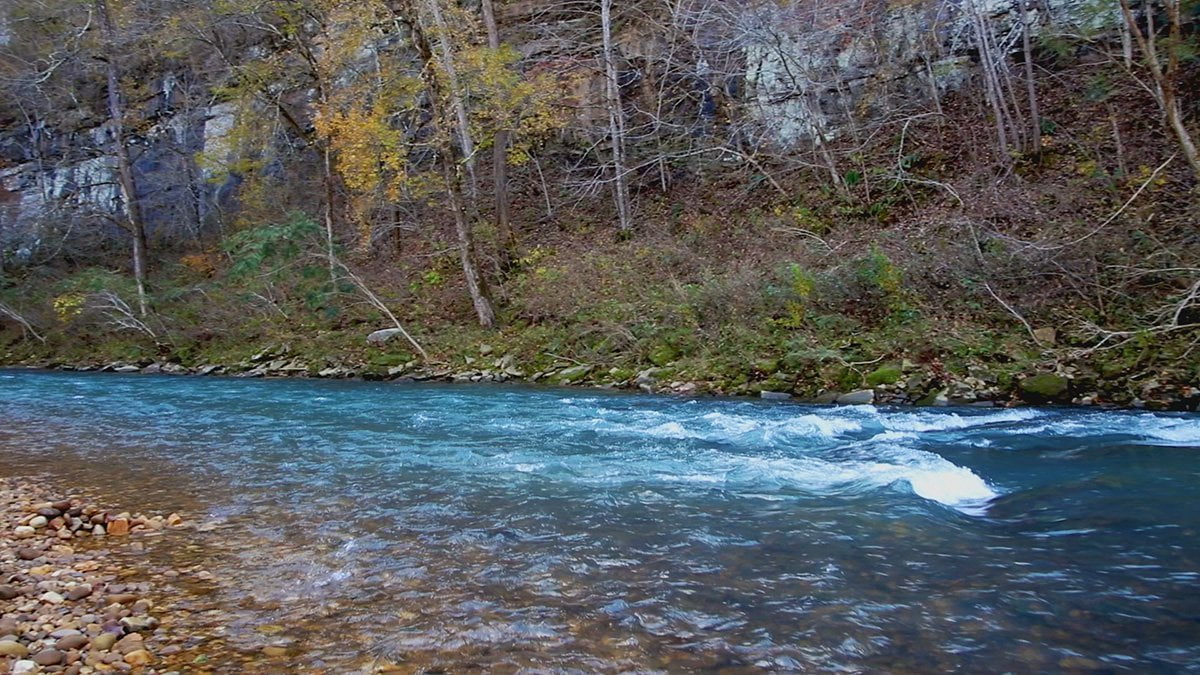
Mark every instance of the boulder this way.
pixel 860 397
pixel 573 374
pixel 1045 388
pixel 1046 336
pixel 889 374
pixel 774 395
pixel 384 336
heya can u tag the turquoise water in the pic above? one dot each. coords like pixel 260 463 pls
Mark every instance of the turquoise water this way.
pixel 503 527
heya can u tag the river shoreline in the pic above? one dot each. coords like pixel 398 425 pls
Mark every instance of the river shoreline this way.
pixel 87 589
pixel 1036 390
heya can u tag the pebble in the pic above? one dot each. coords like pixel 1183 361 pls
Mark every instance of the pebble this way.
pixel 70 642
pixel 49 657
pixel 139 624
pixel 104 641
pixel 139 657
pixel 73 604
pixel 51 597
pixel 10 648
pixel 118 527
pixel 130 643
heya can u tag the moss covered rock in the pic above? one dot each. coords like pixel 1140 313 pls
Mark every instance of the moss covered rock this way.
pixel 889 374
pixel 1044 388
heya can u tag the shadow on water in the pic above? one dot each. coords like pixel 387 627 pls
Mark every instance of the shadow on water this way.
pixel 498 527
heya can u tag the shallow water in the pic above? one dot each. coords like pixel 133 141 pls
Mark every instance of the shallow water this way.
pixel 503 528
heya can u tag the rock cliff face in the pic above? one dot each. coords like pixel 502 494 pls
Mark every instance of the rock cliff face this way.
pixel 784 75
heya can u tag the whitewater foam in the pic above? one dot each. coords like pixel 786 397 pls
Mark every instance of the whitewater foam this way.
pixel 932 422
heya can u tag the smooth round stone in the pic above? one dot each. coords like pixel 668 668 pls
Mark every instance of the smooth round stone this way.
pixel 28 553
pixel 139 657
pixel 71 642
pixel 38 522
pixel 104 641
pixel 49 657
pixel 11 648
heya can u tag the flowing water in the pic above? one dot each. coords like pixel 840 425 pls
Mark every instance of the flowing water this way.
pixel 506 528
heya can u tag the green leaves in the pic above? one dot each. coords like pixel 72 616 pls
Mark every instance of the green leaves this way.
pixel 270 245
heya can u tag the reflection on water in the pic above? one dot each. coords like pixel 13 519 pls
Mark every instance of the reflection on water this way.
pixel 506 527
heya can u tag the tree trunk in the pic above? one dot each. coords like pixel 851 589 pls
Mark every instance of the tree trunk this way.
pixel 124 166
pixel 616 121
pixel 465 140
pixel 476 287
pixel 499 155
pixel 1165 77
pixel 1035 121
pixel 992 87
pixel 1175 122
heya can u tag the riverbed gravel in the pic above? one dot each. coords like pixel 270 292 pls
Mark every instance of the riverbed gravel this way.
pixel 75 595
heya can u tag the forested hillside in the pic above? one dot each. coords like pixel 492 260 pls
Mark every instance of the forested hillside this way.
pixel 934 201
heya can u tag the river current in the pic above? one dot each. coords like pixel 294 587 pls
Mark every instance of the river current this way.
pixel 504 528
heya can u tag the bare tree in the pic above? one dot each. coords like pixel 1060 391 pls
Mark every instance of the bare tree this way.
pixel 1035 121
pixel 616 120
pixel 116 113
pixel 499 151
pixel 1165 76
pixel 443 84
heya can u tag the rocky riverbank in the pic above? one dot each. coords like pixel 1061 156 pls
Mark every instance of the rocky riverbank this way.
pixel 878 383
pixel 76 595
pixel 88 589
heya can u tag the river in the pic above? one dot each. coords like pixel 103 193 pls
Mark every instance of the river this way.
pixel 516 527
